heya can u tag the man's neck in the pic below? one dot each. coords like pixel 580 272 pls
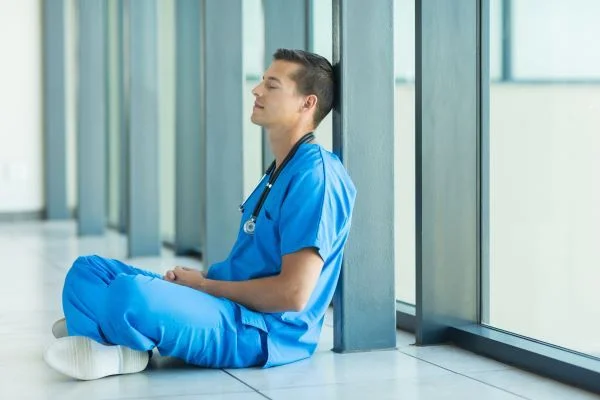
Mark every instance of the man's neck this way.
pixel 282 142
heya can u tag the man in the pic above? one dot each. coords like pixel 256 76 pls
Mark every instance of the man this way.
pixel 265 304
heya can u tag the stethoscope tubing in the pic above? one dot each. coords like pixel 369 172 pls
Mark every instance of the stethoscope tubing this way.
pixel 250 224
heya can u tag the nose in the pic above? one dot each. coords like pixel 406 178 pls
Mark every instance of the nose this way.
pixel 255 90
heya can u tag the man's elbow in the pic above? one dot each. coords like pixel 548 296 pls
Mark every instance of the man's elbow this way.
pixel 297 302
pixel 298 306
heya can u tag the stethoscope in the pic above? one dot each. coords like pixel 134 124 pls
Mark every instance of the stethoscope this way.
pixel 250 224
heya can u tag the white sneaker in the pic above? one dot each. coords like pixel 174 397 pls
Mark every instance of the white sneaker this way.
pixel 85 359
pixel 59 328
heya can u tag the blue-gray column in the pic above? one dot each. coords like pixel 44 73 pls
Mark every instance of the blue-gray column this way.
pixel 447 126
pixel 91 118
pixel 286 26
pixel 189 136
pixel 144 218
pixel 123 44
pixel 224 125
pixel 365 304
pixel 507 29
pixel 116 123
pixel 55 131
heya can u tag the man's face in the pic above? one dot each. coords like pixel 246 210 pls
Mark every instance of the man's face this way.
pixel 277 103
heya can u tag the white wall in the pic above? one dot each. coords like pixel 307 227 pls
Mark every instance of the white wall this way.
pixel 21 179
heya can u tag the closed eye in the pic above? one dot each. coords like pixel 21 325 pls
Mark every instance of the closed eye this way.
pixel 271 82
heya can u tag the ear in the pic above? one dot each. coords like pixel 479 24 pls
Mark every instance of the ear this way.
pixel 310 102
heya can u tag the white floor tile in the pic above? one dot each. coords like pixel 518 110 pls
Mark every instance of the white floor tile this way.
pixel 532 386
pixel 454 358
pixel 30 378
pixel 220 396
pixel 447 387
pixel 327 367
pixel 326 340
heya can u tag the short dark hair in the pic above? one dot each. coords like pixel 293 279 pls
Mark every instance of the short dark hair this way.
pixel 315 77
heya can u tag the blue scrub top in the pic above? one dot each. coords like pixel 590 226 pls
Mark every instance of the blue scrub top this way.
pixel 310 205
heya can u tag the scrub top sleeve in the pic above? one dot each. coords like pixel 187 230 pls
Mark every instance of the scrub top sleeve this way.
pixel 304 215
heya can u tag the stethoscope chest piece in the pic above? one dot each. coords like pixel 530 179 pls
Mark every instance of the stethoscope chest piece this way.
pixel 249 226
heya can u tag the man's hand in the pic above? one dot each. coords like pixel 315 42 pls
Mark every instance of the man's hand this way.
pixel 187 277
pixel 290 290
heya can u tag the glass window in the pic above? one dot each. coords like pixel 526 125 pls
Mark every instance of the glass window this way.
pixel 321 15
pixel 551 39
pixel 254 50
pixel 542 209
pixel 404 168
pixel 166 117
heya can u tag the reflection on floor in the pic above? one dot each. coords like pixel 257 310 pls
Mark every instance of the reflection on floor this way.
pixel 35 256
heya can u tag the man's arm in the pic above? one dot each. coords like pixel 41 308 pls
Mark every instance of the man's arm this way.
pixel 288 291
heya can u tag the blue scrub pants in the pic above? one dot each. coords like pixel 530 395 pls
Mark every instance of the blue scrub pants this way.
pixel 114 303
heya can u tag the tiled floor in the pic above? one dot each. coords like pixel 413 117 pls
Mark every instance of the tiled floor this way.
pixel 35 256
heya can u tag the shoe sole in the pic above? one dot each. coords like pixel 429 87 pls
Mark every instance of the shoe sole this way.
pixel 59 328
pixel 82 358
